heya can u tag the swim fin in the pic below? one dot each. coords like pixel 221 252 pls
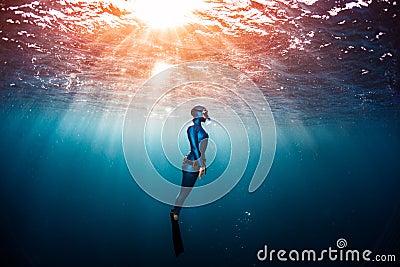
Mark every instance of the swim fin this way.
pixel 176 235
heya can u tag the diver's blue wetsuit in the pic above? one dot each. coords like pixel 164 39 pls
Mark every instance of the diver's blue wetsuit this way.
pixel 198 139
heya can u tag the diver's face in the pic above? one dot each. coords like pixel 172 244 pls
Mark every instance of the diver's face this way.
pixel 205 114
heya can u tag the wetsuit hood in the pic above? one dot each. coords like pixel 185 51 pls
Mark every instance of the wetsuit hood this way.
pixel 199 112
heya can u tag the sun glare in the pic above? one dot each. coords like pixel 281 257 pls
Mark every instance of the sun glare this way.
pixel 162 14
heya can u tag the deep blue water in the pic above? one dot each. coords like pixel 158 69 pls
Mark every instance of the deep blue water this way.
pixel 67 197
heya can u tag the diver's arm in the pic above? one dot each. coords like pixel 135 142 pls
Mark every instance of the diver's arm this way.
pixel 203 147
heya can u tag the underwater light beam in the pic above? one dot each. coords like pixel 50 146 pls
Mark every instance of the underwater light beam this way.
pixel 163 14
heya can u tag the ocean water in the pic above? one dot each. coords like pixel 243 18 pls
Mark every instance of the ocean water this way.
pixel 69 69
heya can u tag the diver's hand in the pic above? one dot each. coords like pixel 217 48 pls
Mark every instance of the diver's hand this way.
pixel 201 172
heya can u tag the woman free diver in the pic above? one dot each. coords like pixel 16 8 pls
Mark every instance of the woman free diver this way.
pixel 194 163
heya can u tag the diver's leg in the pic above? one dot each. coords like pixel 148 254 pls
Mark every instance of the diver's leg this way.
pixel 188 181
pixel 180 199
